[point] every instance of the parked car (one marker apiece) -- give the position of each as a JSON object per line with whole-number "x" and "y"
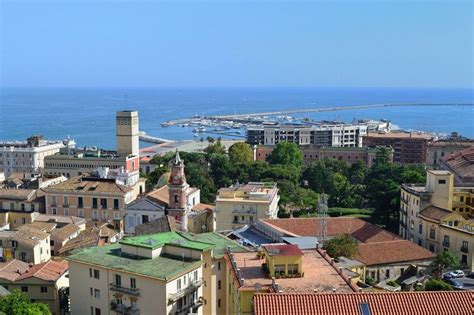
{"x": 457, "y": 274}
{"x": 454, "y": 283}
{"x": 470, "y": 275}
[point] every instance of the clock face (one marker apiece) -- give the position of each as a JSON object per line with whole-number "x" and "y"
{"x": 175, "y": 178}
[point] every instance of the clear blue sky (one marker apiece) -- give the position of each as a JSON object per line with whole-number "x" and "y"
{"x": 237, "y": 43}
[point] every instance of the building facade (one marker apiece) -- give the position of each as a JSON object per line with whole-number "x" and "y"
{"x": 439, "y": 149}
{"x": 127, "y": 133}
{"x": 20, "y": 206}
{"x": 26, "y": 244}
{"x": 28, "y": 156}
{"x": 239, "y": 205}
{"x": 408, "y": 147}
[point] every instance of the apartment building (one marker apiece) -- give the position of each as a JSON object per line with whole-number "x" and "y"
{"x": 280, "y": 268}
{"x": 98, "y": 200}
{"x": 439, "y": 215}
{"x": 28, "y": 156}
{"x": 239, "y": 205}
{"x": 408, "y": 147}
{"x": 311, "y": 154}
{"x": 20, "y": 206}
{"x": 443, "y": 148}
{"x": 461, "y": 164}
{"x": 166, "y": 273}
{"x": 45, "y": 283}
{"x": 26, "y": 244}
{"x": 323, "y": 135}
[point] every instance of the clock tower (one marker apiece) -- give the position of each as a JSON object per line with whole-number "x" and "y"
{"x": 177, "y": 186}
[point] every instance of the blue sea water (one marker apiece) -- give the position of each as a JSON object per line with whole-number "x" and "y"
{"x": 88, "y": 114}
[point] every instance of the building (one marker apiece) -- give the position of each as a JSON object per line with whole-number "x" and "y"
{"x": 140, "y": 211}
{"x": 461, "y": 164}
{"x": 312, "y": 153}
{"x": 127, "y": 133}
{"x": 382, "y": 253}
{"x": 441, "y": 148}
{"x": 439, "y": 215}
{"x": 280, "y": 268}
{"x": 370, "y": 303}
{"x": 74, "y": 162}
{"x": 408, "y": 147}
{"x": 183, "y": 202}
{"x": 26, "y": 244}
{"x": 28, "y": 156}
{"x": 20, "y": 206}
{"x": 98, "y": 200}
{"x": 32, "y": 181}
{"x": 91, "y": 237}
{"x": 45, "y": 283}
{"x": 329, "y": 134}
{"x": 239, "y": 205}
{"x": 166, "y": 273}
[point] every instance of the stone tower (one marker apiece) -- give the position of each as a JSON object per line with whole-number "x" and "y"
{"x": 127, "y": 133}
{"x": 177, "y": 185}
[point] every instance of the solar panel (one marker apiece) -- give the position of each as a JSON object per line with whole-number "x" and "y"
{"x": 365, "y": 309}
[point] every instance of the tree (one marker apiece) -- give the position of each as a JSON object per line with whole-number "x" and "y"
{"x": 437, "y": 285}
{"x": 286, "y": 153}
{"x": 18, "y": 303}
{"x": 216, "y": 147}
{"x": 443, "y": 260}
{"x": 240, "y": 152}
{"x": 341, "y": 245}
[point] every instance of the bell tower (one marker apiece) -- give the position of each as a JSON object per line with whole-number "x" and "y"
{"x": 177, "y": 185}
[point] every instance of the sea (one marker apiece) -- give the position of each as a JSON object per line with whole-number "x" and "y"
{"x": 87, "y": 115}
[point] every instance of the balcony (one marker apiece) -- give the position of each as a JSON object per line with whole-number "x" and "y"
{"x": 464, "y": 249}
{"x": 193, "y": 308}
{"x": 123, "y": 309}
{"x": 244, "y": 211}
{"x": 446, "y": 244}
{"x": 130, "y": 291}
{"x": 173, "y": 297}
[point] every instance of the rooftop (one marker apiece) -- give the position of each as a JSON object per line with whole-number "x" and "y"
{"x": 254, "y": 191}
{"x": 399, "y": 303}
{"x": 400, "y": 134}
{"x": 282, "y": 250}
{"x": 65, "y": 232}
{"x": 144, "y": 204}
{"x": 17, "y": 194}
{"x": 89, "y": 185}
{"x": 16, "y": 270}
{"x": 153, "y": 241}
{"x": 435, "y": 213}
{"x": 319, "y": 275}
{"x": 461, "y": 163}
{"x": 60, "y": 219}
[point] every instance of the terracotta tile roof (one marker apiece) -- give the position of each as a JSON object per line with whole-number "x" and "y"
{"x": 283, "y": 250}
{"x": 400, "y": 303}
{"x": 64, "y": 232}
{"x": 380, "y": 253}
{"x": 159, "y": 225}
{"x": 17, "y": 194}
{"x": 160, "y": 195}
{"x": 461, "y": 163}
{"x": 9, "y": 270}
{"x": 434, "y": 213}
{"x": 89, "y": 186}
{"x": 203, "y": 207}
{"x": 60, "y": 219}
{"x": 357, "y": 228}
{"x": 43, "y": 226}
{"x": 49, "y": 271}
{"x": 29, "y": 236}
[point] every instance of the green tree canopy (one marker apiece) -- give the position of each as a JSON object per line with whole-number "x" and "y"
{"x": 443, "y": 260}
{"x": 240, "y": 152}
{"x": 341, "y": 245}
{"x": 216, "y": 147}
{"x": 286, "y": 153}
{"x": 437, "y": 285}
{"x": 18, "y": 303}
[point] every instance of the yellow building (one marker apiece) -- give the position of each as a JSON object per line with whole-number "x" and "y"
{"x": 438, "y": 215}
{"x": 280, "y": 268}
{"x": 239, "y": 205}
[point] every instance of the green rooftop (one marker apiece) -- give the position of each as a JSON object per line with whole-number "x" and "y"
{"x": 154, "y": 241}
{"x": 220, "y": 242}
{"x": 110, "y": 256}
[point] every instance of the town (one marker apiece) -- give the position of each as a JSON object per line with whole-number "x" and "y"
{"x": 327, "y": 218}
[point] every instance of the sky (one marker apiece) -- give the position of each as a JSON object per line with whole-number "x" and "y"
{"x": 427, "y": 44}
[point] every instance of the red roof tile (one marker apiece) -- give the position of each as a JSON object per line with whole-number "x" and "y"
{"x": 357, "y": 228}
{"x": 400, "y": 303}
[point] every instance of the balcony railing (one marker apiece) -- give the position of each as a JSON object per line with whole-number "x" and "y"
{"x": 119, "y": 288}
{"x": 446, "y": 244}
{"x": 193, "y": 308}
{"x": 123, "y": 309}
{"x": 464, "y": 249}
{"x": 190, "y": 288}
{"x": 244, "y": 211}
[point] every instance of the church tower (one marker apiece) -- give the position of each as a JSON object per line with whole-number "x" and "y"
{"x": 178, "y": 188}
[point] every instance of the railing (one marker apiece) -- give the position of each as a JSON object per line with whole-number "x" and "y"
{"x": 119, "y": 288}
{"x": 464, "y": 249}
{"x": 123, "y": 309}
{"x": 244, "y": 211}
{"x": 180, "y": 293}
{"x": 446, "y": 244}
{"x": 193, "y": 307}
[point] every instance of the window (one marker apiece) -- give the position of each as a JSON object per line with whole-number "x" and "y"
{"x": 118, "y": 280}
{"x": 446, "y": 241}
{"x": 441, "y": 181}
{"x": 464, "y": 247}
{"x": 23, "y": 256}
{"x": 432, "y": 233}
{"x": 80, "y": 213}
{"x": 96, "y": 274}
{"x": 103, "y": 203}
{"x": 178, "y": 284}
{"x": 90, "y": 273}
{"x": 53, "y": 200}
{"x": 365, "y": 309}
{"x": 195, "y": 275}
{"x": 66, "y": 201}
{"x": 387, "y": 273}
{"x": 97, "y": 293}
{"x": 219, "y": 284}
{"x": 94, "y": 203}
{"x": 279, "y": 269}
{"x": 44, "y": 289}
{"x": 32, "y": 206}
{"x": 91, "y": 291}
{"x": 54, "y": 211}
{"x": 80, "y": 202}
{"x": 116, "y": 204}
{"x": 236, "y": 218}
{"x": 133, "y": 283}
{"x": 66, "y": 211}
{"x": 97, "y": 311}
{"x": 95, "y": 215}
{"x": 219, "y": 303}
{"x": 461, "y": 198}
{"x": 420, "y": 228}
{"x": 144, "y": 218}
{"x": 219, "y": 265}
{"x": 22, "y": 207}
{"x": 24, "y": 288}
{"x": 292, "y": 269}
{"x": 463, "y": 259}
{"x": 431, "y": 248}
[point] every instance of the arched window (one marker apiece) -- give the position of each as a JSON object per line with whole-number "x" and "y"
{"x": 176, "y": 199}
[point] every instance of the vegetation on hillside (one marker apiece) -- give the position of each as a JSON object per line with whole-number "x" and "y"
{"x": 18, "y": 303}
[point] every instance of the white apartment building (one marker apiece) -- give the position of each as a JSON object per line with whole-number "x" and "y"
{"x": 26, "y": 156}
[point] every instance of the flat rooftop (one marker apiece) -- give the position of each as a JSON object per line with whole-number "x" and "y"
{"x": 400, "y": 134}
{"x": 319, "y": 275}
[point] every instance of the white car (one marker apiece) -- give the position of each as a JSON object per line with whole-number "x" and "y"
{"x": 457, "y": 274}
